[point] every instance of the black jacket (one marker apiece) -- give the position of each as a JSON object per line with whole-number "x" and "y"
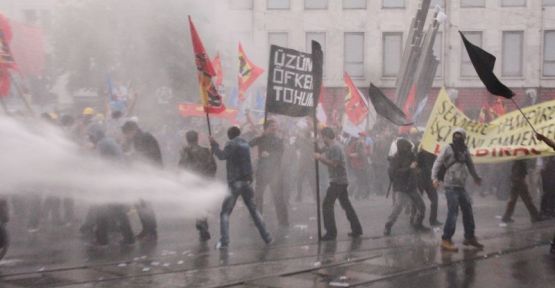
{"x": 401, "y": 175}
{"x": 147, "y": 147}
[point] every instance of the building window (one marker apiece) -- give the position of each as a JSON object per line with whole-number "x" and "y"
{"x": 467, "y": 70}
{"x": 354, "y": 4}
{"x": 240, "y": 4}
{"x": 473, "y": 3}
{"x": 391, "y": 54}
{"x": 548, "y": 2}
{"x": 512, "y": 53}
{"x": 315, "y": 4}
{"x": 513, "y": 3}
{"x": 549, "y": 53}
{"x": 353, "y": 54}
{"x": 319, "y": 37}
{"x": 437, "y": 50}
{"x": 393, "y": 3}
{"x": 278, "y": 38}
{"x": 278, "y": 4}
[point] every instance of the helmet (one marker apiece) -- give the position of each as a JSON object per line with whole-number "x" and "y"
{"x": 88, "y": 111}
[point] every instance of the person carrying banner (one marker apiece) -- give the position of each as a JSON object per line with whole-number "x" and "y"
{"x": 236, "y": 153}
{"x": 402, "y": 172}
{"x": 334, "y": 159}
{"x": 146, "y": 149}
{"x": 455, "y": 163}
{"x": 519, "y": 187}
{"x": 199, "y": 160}
{"x": 268, "y": 170}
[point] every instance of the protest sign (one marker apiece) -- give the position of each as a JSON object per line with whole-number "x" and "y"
{"x": 506, "y": 138}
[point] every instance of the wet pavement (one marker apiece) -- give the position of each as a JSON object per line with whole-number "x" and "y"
{"x": 514, "y": 256}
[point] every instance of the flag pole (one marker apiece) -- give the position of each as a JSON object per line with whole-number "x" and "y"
{"x": 317, "y": 60}
{"x": 22, "y": 95}
{"x": 524, "y": 115}
{"x": 4, "y": 106}
{"x": 317, "y": 174}
{"x": 208, "y": 122}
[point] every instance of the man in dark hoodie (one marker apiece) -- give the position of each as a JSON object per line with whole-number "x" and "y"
{"x": 199, "y": 160}
{"x": 402, "y": 172}
{"x": 236, "y": 153}
{"x": 519, "y": 187}
{"x": 108, "y": 149}
{"x": 456, "y": 163}
{"x": 146, "y": 149}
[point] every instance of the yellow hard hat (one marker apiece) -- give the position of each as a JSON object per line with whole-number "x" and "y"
{"x": 88, "y": 111}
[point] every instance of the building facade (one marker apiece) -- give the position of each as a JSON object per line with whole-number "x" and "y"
{"x": 366, "y": 38}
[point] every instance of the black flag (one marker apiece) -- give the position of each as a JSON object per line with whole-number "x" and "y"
{"x": 484, "y": 62}
{"x": 291, "y": 81}
{"x": 386, "y": 108}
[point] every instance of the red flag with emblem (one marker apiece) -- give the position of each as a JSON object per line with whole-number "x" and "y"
{"x": 196, "y": 110}
{"x": 217, "y": 64}
{"x": 355, "y": 106}
{"x": 6, "y": 59}
{"x": 248, "y": 73}
{"x": 211, "y": 99}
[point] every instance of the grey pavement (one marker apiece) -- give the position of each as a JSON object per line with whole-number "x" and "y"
{"x": 514, "y": 256}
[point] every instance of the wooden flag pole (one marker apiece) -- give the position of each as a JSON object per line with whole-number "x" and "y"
{"x": 524, "y": 115}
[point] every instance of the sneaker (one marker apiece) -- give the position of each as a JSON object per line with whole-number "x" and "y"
{"x": 473, "y": 242}
{"x": 387, "y": 230}
{"x": 328, "y": 237}
{"x": 507, "y": 220}
{"x": 447, "y": 245}
{"x": 355, "y": 235}
{"x": 220, "y": 245}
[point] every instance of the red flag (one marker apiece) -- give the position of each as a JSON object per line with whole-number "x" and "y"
{"x": 407, "y": 109}
{"x": 211, "y": 99}
{"x": 409, "y": 103}
{"x": 498, "y": 108}
{"x": 248, "y": 73}
{"x": 355, "y": 106}
{"x": 217, "y": 64}
{"x": 28, "y": 48}
{"x": 6, "y": 58}
{"x": 196, "y": 110}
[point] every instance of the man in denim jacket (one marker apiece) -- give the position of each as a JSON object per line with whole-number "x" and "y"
{"x": 239, "y": 177}
{"x": 458, "y": 162}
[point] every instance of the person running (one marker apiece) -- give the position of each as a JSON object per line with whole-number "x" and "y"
{"x": 402, "y": 172}
{"x": 334, "y": 159}
{"x": 456, "y": 163}
{"x": 199, "y": 160}
{"x": 236, "y": 153}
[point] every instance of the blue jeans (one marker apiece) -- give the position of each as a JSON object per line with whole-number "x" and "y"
{"x": 243, "y": 189}
{"x": 457, "y": 197}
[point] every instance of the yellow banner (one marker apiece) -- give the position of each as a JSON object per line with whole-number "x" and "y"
{"x": 508, "y": 137}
